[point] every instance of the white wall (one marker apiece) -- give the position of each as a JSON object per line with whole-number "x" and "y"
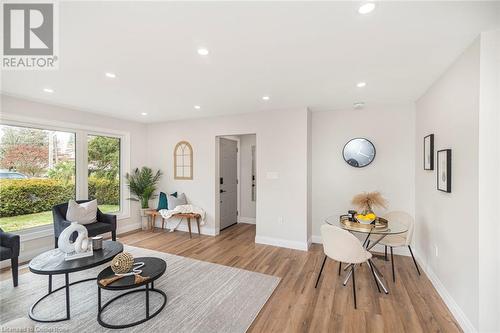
{"x": 247, "y": 206}
{"x": 33, "y": 111}
{"x": 391, "y": 129}
{"x": 281, "y": 210}
{"x": 449, "y": 221}
{"x": 489, "y": 181}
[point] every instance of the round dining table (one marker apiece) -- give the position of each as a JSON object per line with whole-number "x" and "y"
{"x": 373, "y": 236}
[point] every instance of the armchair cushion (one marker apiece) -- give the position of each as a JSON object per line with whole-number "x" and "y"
{"x": 105, "y": 222}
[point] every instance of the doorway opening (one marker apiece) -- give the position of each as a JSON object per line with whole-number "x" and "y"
{"x": 236, "y": 181}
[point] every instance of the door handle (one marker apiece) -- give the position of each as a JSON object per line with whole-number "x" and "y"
{"x": 222, "y": 191}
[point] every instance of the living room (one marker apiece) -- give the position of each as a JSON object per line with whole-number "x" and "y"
{"x": 355, "y": 108}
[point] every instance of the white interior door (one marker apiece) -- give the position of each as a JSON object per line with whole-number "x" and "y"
{"x": 228, "y": 165}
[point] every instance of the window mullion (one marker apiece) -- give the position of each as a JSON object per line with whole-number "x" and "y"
{"x": 82, "y": 191}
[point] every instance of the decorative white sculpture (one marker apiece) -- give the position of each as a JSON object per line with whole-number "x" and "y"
{"x": 80, "y": 245}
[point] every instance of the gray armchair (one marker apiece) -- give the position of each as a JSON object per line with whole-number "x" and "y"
{"x": 105, "y": 222}
{"x": 9, "y": 249}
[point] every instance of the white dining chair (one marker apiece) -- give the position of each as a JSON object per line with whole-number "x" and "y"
{"x": 344, "y": 247}
{"x": 399, "y": 240}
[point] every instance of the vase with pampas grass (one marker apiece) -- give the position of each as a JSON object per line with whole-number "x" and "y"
{"x": 365, "y": 202}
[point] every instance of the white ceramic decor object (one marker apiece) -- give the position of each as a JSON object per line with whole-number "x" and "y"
{"x": 81, "y": 243}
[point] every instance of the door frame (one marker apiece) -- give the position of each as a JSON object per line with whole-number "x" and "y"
{"x": 217, "y": 178}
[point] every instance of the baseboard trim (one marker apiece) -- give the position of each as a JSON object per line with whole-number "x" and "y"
{"x": 248, "y": 220}
{"x": 450, "y": 302}
{"x": 281, "y": 243}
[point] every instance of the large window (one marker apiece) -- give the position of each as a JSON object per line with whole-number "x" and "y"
{"x": 37, "y": 172}
{"x": 104, "y": 172}
{"x": 43, "y": 167}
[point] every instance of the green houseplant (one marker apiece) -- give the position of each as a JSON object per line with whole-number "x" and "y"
{"x": 142, "y": 184}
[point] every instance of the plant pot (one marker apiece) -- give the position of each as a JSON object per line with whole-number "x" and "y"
{"x": 143, "y": 211}
{"x": 144, "y": 219}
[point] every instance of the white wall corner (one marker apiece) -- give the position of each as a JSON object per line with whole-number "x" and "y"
{"x": 303, "y": 246}
{"x": 452, "y": 305}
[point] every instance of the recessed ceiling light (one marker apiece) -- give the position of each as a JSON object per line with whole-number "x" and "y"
{"x": 48, "y": 90}
{"x": 110, "y": 75}
{"x": 361, "y": 84}
{"x": 197, "y": 107}
{"x": 366, "y": 8}
{"x": 144, "y": 113}
{"x": 266, "y": 98}
{"x": 359, "y": 105}
{"x": 202, "y": 51}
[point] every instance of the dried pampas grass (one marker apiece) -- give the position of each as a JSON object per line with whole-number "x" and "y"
{"x": 369, "y": 200}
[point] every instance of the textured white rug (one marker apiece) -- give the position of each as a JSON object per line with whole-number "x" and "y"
{"x": 202, "y": 297}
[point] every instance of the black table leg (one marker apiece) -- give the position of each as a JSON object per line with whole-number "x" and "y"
{"x": 66, "y": 278}
{"x": 51, "y": 291}
{"x": 98, "y": 299}
{"x": 147, "y": 301}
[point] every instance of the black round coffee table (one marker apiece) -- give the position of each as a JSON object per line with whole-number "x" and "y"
{"x": 52, "y": 263}
{"x": 153, "y": 268}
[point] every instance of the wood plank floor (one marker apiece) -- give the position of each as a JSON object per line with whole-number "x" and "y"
{"x": 413, "y": 305}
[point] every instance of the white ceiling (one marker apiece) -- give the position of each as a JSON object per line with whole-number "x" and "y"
{"x": 299, "y": 53}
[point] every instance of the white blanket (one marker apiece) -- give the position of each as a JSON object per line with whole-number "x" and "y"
{"x": 182, "y": 209}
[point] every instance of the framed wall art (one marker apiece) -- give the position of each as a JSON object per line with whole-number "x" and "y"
{"x": 429, "y": 152}
{"x": 444, "y": 170}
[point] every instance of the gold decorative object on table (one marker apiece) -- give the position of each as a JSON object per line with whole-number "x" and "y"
{"x": 380, "y": 224}
{"x": 365, "y": 202}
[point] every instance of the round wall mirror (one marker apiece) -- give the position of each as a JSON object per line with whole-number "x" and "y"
{"x": 359, "y": 152}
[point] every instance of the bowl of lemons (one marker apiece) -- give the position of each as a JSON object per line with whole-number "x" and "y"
{"x": 367, "y": 218}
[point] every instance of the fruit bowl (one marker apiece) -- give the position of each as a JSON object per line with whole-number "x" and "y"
{"x": 365, "y": 218}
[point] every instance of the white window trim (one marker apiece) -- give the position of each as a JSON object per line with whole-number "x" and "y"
{"x": 81, "y": 162}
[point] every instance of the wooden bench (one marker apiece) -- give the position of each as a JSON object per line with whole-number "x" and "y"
{"x": 188, "y": 217}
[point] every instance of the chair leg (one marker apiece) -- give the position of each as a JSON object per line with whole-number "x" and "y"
{"x": 414, "y": 261}
{"x": 385, "y": 256}
{"x": 14, "y": 267}
{"x": 340, "y": 267}
{"x": 320, "y": 271}
{"x": 113, "y": 235}
{"x": 373, "y": 274}
{"x": 354, "y": 287}
{"x": 392, "y": 263}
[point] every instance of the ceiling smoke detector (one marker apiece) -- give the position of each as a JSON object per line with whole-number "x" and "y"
{"x": 358, "y": 105}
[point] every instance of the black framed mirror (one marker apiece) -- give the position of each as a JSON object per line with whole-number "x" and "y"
{"x": 359, "y": 152}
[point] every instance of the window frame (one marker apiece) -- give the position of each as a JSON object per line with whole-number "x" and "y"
{"x": 81, "y": 162}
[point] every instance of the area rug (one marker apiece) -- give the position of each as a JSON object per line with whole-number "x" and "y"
{"x": 202, "y": 297}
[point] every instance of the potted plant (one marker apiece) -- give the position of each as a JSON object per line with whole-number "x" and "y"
{"x": 142, "y": 184}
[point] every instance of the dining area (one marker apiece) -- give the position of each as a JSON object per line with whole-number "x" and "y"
{"x": 353, "y": 239}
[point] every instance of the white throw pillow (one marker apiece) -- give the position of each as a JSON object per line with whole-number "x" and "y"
{"x": 174, "y": 202}
{"x": 84, "y": 213}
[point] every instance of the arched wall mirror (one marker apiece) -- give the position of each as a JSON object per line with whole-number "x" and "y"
{"x": 183, "y": 161}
